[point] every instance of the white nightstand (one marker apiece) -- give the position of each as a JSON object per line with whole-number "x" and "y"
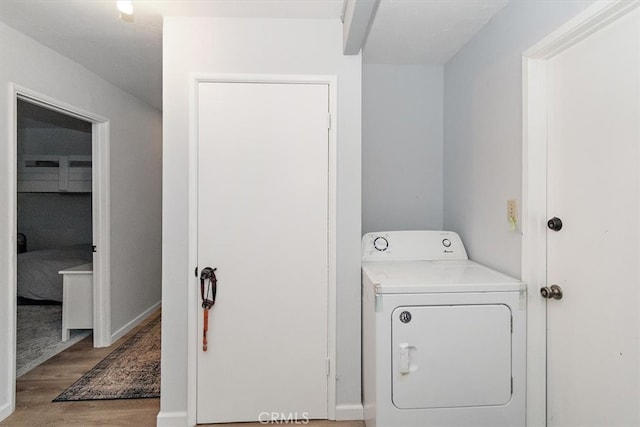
{"x": 77, "y": 298}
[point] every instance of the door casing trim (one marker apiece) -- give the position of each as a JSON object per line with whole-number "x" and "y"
{"x": 101, "y": 219}
{"x": 101, "y": 200}
{"x": 534, "y": 184}
{"x": 192, "y": 312}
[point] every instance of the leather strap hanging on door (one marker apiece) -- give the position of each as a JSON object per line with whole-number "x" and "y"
{"x": 208, "y": 289}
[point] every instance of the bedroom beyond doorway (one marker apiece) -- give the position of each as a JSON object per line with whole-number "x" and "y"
{"x": 54, "y": 226}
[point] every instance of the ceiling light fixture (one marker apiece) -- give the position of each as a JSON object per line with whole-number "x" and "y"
{"x": 126, "y": 10}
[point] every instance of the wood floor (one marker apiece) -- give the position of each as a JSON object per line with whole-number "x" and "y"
{"x": 36, "y": 389}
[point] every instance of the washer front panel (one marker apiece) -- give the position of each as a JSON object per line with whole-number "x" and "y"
{"x": 451, "y": 356}
{"x": 388, "y": 401}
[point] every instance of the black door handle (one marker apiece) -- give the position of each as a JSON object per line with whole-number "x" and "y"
{"x": 208, "y": 290}
{"x": 555, "y": 224}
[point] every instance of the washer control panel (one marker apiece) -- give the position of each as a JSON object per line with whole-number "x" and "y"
{"x": 412, "y": 245}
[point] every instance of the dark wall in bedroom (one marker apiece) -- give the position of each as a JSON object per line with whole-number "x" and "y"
{"x": 51, "y": 220}
{"x": 43, "y": 131}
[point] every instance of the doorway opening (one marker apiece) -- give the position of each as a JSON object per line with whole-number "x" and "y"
{"x": 99, "y": 208}
{"x": 54, "y": 232}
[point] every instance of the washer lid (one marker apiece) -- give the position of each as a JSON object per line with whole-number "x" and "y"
{"x": 400, "y": 277}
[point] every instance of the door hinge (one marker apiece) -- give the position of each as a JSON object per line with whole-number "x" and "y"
{"x": 328, "y": 367}
{"x": 94, "y": 248}
{"x": 329, "y": 121}
{"x": 196, "y": 271}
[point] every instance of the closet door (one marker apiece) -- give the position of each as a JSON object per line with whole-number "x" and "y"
{"x": 262, "y": 223}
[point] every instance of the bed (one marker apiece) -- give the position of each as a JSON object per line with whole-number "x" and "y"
{"x": 38, "y": 277}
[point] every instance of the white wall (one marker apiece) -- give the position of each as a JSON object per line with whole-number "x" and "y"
{"x": 483, "y": 128}
{"x": 402, "y": 136}
{"x": 135, "y": 131}
{"x": 255, "y": 46}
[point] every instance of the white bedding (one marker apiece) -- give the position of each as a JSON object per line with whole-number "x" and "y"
{"x": 38, "y": 277}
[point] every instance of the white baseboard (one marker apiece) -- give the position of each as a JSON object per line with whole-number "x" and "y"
{"x": 353, "y": 412}
{"x": 6, "y": 410}
{"x": 179, "y": 419}
{"x": 135, "y": 322}
{"x": 171, "y": 419}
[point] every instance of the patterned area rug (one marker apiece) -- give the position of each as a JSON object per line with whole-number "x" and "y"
{"x": 39, "y": 336}
{"x": 132, "y": 371}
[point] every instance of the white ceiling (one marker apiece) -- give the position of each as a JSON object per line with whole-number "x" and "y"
{"x": 425, "y": 31}
{"x": 129, "y": 55}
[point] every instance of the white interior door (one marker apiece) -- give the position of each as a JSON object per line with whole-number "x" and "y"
{"x": 593, "y": 360}
{"x": 263, "y": 223}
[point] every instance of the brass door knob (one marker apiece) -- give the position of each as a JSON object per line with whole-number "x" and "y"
{"x": 551, "y": 292}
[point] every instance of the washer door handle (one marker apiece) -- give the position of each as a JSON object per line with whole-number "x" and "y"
{"x": 404, "y": 358}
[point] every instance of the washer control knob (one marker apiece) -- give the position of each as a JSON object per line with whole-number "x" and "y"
{"x": 381, "y": 244}
{"x": 446, "y": 243}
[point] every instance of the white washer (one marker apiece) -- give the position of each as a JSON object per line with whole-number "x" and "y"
{"x": 443, "y": 337}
